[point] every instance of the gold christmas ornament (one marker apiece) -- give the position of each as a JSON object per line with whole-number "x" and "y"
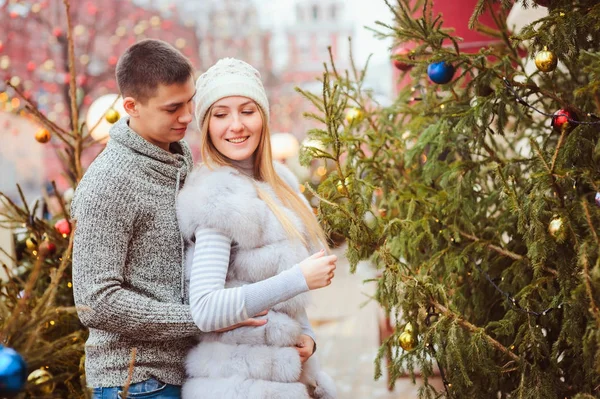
{"x": 340, "y": 186}
{"x": 354, "y": 115}
{"x": 407, "y": 341}
{"x": 546, "y": 60}
{"x": 112, "y": 115}
{"x": 43, "y": 136}
{"x": 41, "y": 379}
{"x": 409, "y": 328}
{"x": 31, "y": 243}
{"x": 556, "y": 227}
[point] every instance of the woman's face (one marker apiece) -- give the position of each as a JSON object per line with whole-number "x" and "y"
{"x": 235, "y": 126}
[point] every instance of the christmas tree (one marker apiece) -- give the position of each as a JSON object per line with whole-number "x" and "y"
{"x": 476, "y": 194}
{"x": 39, "y": 320}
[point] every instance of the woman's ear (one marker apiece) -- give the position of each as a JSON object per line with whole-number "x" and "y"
{"x": 131, "y": 107}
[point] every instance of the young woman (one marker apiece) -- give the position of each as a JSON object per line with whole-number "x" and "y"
{"x": 253, "y": 233}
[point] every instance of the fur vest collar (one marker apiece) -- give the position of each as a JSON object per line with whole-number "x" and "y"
{"x": 226, "y": 200}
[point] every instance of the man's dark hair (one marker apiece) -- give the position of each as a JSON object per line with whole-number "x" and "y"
{"x": 149, "y": 63}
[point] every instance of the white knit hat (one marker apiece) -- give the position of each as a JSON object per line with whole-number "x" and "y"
{"x": 229, "y": 77}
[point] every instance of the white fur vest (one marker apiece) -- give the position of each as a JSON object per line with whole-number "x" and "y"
{"x": 249, "y": 362}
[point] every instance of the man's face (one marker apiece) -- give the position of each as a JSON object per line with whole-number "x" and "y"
{"x": 164, "y": 118}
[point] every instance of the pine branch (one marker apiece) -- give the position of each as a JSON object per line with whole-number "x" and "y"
{"x": 77, "y": 147}
{"x": 332, "y": 204}
{"x": 588, "y": 286}
{"x": 9, "y": 327}
{"x": 50, "y": 293}
{"x": 9, "y": 256}
{"x": 492, "y": 153}
{"x": 493, "y": 247}
{"x": 588, "y": 218}
{"x": 335, "y": 72}
{"x": 41, "y": 118}
{"x": 549, "y": 169}
{"x": 561, "y": 141}
{"x": 586, "y": 267}
{"x": 477, "y": 330}
{"x": 61, "y": 201}
{"x": 16, "y": 209}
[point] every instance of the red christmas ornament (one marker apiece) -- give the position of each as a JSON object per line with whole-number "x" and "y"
{"x": 560, "y": 120}
{"x": 67, "y": 78}
{"x": 56, "y": 32}
{"x": 401, "y": 65}
{"x": 112, "y": 60}
{"x": 81, "y": 80}
{"x": 31, "y": 66}
{"x": 13, "y": 14}
{"x": 47, "y": 248}
{"x": 63, "y": 227}
{"x": 1, "y": 46}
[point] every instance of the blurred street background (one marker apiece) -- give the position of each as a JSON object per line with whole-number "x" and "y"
{"x": 286, "y": 40}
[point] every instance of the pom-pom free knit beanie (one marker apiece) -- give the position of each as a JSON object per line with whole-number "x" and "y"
{"x": 229, "y": 77}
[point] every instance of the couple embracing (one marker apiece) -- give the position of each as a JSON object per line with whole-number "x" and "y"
{"x": 203, "y": 270}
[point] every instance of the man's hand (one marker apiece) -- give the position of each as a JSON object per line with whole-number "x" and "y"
{"x": 305, "y": 347}
{"x": 252, "y": 322}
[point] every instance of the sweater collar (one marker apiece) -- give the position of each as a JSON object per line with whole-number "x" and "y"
{"x": 245, "y": 166}
{"x": 170, "y": 164}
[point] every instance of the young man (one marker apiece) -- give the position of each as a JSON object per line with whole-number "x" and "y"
{"x": 128, "y": 253}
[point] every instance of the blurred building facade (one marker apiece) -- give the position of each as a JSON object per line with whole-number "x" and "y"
{"x": 33, "y": 54}
{"x": 318, "y": 25}
{"x": 34, "y": 57}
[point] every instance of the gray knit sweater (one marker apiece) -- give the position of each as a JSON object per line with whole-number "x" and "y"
{"x": 127, "y": 261}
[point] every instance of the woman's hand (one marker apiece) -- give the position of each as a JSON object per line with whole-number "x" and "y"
{"x": 252, "y": 322}
{"x": 318, "y": 269}
{"x": 305, "y": 347}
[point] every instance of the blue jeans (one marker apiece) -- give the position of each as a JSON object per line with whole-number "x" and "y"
{"x": 151, "y": 388}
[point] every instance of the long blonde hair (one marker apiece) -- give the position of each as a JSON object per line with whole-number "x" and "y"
{"x": 265, "y": 172}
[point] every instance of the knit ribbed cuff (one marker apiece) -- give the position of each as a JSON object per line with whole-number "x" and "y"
{"x": 268, "y": 293}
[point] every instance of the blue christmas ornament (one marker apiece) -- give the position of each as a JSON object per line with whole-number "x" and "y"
{"x": 440, "y": 72}
{"x": 13, "y": 372}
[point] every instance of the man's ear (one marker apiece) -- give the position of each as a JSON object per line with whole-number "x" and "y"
{"x": 131, "y": 107}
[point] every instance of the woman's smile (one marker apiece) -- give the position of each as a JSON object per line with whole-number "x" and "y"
{"x": 238, "y": 140}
